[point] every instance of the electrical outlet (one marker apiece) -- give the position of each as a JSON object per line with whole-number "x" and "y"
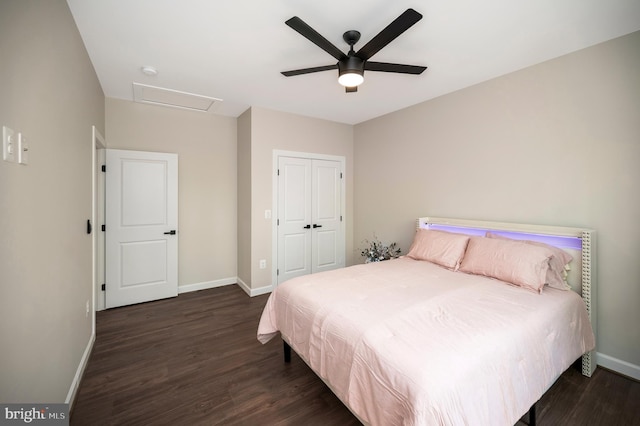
{"x": 8, "y": 145}
{"x": 263, "y": 264}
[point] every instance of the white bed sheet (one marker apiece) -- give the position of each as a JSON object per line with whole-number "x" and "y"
{"x": 406, "y": 342}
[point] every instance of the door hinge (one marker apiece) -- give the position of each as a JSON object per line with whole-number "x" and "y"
{"x": 340, "y": 218}
{"x": 277, "y": 271}
{"x": 277, "y": 222}
{"x": 104, "y": 228}
{"x": 278, "y": 172}
{"x": 103, "y": 287}
{"x": 104, "y": 168}
{"x": 340, "y": 175}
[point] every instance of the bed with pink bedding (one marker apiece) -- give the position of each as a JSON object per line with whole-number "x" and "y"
{"x": 412, "y": 342}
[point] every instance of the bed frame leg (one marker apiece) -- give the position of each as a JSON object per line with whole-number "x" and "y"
{"x": 532, "y": 415}
{"x": 287, "y": 352}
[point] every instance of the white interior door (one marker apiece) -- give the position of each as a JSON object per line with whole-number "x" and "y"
{"x": 141, "y": 216}
{"x": 309, "y": 216}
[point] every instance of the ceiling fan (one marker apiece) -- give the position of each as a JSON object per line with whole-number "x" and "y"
{"x": 351, "y": 66}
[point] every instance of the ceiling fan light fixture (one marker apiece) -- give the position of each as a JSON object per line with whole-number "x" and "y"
{"x": 351, "y": 72}
{"x": 350, "y": 79}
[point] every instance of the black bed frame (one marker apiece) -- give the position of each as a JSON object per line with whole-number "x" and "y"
{"x": 287, "y": 352}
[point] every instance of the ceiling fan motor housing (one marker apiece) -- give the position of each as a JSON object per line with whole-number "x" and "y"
{"x": 351, "y": 72}
{"x": 352, "y": 64}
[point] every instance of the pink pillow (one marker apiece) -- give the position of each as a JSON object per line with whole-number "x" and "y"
{"x": 440, "y": 247}
{"x": 524, "y": 265}
{"x": 556, "y": 275}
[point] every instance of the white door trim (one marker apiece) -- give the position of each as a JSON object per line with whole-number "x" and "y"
{"x": 97, "y": 143}
{"x": 100, "y": 271}
{"x": 274, "y": 202}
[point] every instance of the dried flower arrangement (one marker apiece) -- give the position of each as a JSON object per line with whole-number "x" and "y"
{"x": 377, "y": 251}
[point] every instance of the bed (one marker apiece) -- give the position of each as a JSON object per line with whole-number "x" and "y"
{"x": 443, "y": 336}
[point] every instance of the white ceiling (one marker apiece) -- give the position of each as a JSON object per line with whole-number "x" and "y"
{"x": 236, "y": 49}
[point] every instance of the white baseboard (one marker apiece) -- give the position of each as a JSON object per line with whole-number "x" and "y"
{"x": 261, "y": 290}
{"x": 188, "y": 288}
{"x": 244, "y": 286}
{"x": 75, "y": 383}
{"x": 225, "y": 281}
{"x": 619, "y": 366}
{"x": 206, "y": 285}
{"x": 254, "y": 291}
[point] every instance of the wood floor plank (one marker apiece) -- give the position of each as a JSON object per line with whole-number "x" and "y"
{"x": 195, "y": 360}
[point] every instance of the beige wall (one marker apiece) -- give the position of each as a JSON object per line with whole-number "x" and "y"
{"x": 50, "y": 93}
{"x": 273, "y": 130}
{"x": 207, "y": 171}
{"x": 557, "y": 143}
{"x": 244, "y": 198}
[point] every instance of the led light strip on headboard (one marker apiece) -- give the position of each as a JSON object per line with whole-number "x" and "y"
{"x": 580, "y": 239}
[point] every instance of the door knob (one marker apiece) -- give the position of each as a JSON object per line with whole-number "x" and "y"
{"x": 317, "y": 226}
{"x": 172, "y": 232}
{"x": 307, "y": 227}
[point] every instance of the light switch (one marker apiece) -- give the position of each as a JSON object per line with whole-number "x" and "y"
{"x": 267, "y": 214}
{"x": 23, "y": 149}
{"x": 8, "y": 144}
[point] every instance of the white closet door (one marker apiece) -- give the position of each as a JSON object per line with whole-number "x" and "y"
{"x": 294, "y": 217}
{"x": 326, "y": 250}
{"x": 309, "y": 223}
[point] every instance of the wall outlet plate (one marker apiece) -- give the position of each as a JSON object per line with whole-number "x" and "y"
{"x": 9, "y": 144}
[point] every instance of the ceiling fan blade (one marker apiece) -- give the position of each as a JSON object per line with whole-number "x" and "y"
{"x": 399, "y": 68}
{"x": 313, "y": 36}
{"x": 351, "y": 89}
{"x": 401, "y": 24}
{"x": 309, "y": 70}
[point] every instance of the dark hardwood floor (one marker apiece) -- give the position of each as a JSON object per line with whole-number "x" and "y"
{"x": 195, "y": 360}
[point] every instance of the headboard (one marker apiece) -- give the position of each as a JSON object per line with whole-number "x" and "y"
{"x": 579, "y": 242}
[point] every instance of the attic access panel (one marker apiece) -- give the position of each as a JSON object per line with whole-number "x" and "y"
{"x": 172, "y": 98}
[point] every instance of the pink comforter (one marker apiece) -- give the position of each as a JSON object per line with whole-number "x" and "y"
{"x": 406, "y": 342}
